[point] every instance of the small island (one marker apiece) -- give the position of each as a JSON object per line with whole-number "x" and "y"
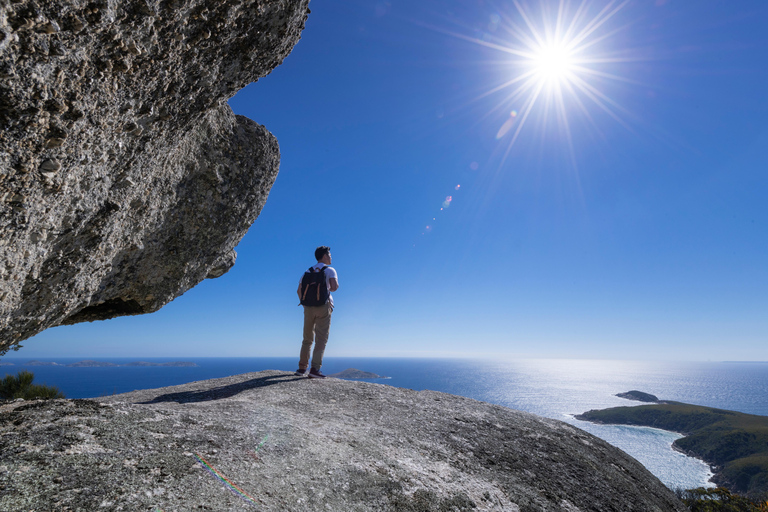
{"x": 735, "y": 444}
{"x": 90, "y": 363}
{"x": 172, "y": 363}
{"x": 638, "y": 396}
{"x": 354, "y": 373}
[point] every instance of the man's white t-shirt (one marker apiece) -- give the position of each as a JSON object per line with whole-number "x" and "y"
{"x": 330, "y": 272}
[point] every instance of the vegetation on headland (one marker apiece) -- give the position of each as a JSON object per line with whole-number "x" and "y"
{"x": 21, "y": 386}
{"x": 719, "y": 500}
{"x": 734, "y": 443}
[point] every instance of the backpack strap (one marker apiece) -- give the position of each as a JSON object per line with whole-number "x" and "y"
{"x": 306, "y": 288}
{"x": 322, "y": 274}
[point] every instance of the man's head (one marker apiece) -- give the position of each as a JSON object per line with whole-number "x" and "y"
{"x": 323, "y": 253}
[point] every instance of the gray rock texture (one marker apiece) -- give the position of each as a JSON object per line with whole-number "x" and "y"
{"x": 125, "y": 178}
{"x": 354, "y": 373}
{"x": 296, "y": 444}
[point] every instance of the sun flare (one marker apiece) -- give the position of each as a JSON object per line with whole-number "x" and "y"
{"x": 553, "y": 62}
{"x": 561, "y": 57}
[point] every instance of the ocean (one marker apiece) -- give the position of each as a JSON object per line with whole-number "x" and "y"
{"x": 552, "y": 388}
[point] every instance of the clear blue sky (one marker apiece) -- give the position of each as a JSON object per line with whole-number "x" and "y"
{"x": 639, "y": 233}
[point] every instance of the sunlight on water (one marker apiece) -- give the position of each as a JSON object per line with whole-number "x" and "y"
{"x": 560, "y": 389}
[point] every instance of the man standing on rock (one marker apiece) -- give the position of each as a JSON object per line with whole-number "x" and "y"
{"x": 314, "y": 291}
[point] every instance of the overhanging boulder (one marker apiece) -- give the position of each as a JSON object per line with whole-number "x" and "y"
{"x": 125, "y": 178}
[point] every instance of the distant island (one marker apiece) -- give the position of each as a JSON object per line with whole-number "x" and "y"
{"x": 735, "y": 444}
{"x": 172, "y": 363}
{"x": 90, "y": 363}
{"x": 638, "y": 396}
{"x": 354, "y": 373}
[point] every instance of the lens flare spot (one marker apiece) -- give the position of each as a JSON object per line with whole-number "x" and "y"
{"x": 505, "y": 128}
{"x": 382, "y": 8}
{"x": 457, "y": 187}
{"x": 474, "y": 166}
{"x": 234, "y": 488}
{"x": 494, "y": 22}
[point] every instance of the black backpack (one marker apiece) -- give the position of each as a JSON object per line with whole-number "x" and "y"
{"x": 314, "y": 291}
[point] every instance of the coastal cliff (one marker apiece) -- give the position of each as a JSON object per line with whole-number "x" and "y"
{"x": 125, "y": 178}
{"x": 272, "y": 441}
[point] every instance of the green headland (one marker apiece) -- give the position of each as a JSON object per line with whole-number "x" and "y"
{"x": 733, "y": 443}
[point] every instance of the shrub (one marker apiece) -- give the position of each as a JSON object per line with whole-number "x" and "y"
{"x": 20, "y": 386}
{"x": 718, "y": 500}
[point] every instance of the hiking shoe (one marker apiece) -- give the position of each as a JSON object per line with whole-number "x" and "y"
{"x": 315, "y": 374}
{"x": 301, "y": 373}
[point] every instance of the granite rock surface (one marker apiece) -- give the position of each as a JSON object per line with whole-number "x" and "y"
{"x": 295, "y": 444}
{"x": 125, "y": 178}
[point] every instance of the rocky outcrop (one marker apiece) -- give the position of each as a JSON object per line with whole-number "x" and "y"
{"x": 275, "y": 442}
{"x": 125, "y": 178}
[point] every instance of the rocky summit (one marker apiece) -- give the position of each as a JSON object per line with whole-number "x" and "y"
{"x": 275, "y": 442}
{"x": 125, "y": 178}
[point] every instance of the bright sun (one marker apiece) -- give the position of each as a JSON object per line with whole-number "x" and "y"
{"x": 553, "y": 63}
{"x": 561, "y": 56}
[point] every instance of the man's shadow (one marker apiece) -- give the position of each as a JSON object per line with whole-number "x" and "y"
{"x": 221, "y": 392}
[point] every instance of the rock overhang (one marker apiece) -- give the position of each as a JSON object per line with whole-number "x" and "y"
{"x": 125, "y": 178}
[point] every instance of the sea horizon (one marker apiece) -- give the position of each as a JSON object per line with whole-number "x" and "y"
{"x": 12, "y": 355}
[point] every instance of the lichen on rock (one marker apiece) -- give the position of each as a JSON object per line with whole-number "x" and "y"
{"x": 125, "y": 178}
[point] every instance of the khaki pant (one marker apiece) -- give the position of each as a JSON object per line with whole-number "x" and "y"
{"x": 317, "y": 324}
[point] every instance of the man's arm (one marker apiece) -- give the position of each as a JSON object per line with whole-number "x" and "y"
{"x": 298, "y": 291}
{"x": 333, "y": 283}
